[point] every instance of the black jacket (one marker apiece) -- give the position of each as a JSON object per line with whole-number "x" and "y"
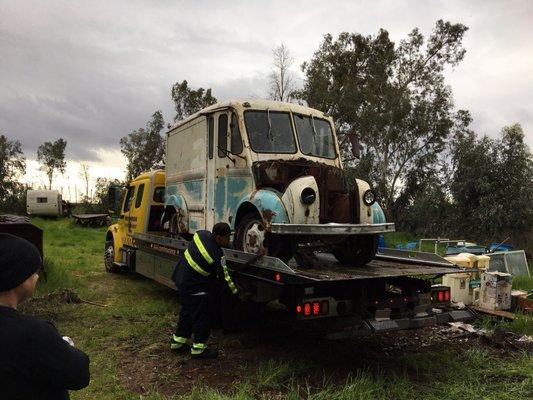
{"x": 189, "y": 280}
{"x": 35, "y": 362}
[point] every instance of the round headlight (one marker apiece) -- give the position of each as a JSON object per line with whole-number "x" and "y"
{"x": 369, "y": 197}
{"x": 308, "y": 196}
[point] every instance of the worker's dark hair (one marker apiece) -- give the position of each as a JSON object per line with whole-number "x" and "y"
{"x": 221, "y": 229}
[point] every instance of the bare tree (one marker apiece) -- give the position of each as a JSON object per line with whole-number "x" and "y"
{"x": 281, "y": 80}
{"x": 85, "y": 175}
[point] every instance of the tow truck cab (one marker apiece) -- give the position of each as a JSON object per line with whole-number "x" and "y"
{"x": 141, "y": 211}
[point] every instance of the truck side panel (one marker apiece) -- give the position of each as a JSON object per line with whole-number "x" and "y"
{"x": 186, "y": 169}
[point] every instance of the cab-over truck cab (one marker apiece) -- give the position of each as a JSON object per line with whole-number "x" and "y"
{"x": 273, "y": 171}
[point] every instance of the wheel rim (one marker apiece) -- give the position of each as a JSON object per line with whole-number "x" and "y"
{"x": 109, "y": 257}
{"x": 254, "y": 237}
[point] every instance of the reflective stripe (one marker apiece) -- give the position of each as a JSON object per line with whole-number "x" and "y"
{"x": 198, "y": 348}
{"x": 229, "y": 280}
{"x": 177, "y": 342}
{"x": 179, "y": 339}
{"x": 202, "y": 249}
{"x": 193, "y": 264}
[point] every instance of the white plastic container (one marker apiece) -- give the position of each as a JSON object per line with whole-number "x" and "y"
{"x": 459, "y": 287}
{"x": 495, "y": 291}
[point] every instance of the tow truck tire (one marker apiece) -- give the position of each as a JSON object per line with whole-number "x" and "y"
{"x": 109, "y": 256}
{"x": 357, "y": 251}
{"x": 281, "y": 247}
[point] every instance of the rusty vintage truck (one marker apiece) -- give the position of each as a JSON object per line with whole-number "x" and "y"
{"x": 273, "y": 171}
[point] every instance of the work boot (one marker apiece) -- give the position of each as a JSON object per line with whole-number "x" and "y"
{"x": 201, "y": 351}
{"x": 179, "y": 344}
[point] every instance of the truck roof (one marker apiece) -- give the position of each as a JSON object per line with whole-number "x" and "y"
{"x": 254, "y": 104}
{"x": 149, "y": 174}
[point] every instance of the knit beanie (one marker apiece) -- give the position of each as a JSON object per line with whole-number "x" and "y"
{"x": 19, "y": 259}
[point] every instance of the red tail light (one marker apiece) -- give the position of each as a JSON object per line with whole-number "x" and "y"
{"x": 447, "y": 295}
{"x": 298, "y": 308}
{"x": 277, "y": 277}
{"x": 307, "y": 309}
{"x": 441, "y": 296}
{"x": 316, "y": 308}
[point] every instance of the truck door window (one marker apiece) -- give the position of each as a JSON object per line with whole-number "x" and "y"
{"x": 129, "y": 197}
{"x": 236, "y": 140}
{"x": 210, "y": 134}
{"x": 159, "y": 194}
{"x": 139, "y": 198}
{"x": 222, "y": 135}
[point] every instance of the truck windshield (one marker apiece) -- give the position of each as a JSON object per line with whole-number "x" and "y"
{"x": 270, "y": 131}
{"x": 315, "y": 136}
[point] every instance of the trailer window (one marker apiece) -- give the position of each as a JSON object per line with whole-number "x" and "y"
{"x": 236, "y": 140}
{"x": 42, "y": 199}
{"x": 159, "y": 194}
{"x": 139, "y": 198}
{"x": 222, "y": 135}
{"x": 210, "y": 135}
{"x": 129, "y": 197}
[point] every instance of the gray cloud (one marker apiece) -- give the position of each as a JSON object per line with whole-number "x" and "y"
{"x": 92, "y": 72}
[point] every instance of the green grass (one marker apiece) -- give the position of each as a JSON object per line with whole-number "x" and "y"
{"x": 139, "y": 315}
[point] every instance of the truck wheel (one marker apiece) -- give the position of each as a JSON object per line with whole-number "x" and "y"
{"x": 250, "y": 237}
{"x": 357, "y": 251}
{"x": 109, "y": 256}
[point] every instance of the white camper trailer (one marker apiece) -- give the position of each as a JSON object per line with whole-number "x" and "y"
{"x": 45, "y": 203}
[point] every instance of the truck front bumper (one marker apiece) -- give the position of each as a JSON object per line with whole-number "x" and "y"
{"x": 331, "y": 229}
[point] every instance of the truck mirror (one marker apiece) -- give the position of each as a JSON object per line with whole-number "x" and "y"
{"x": 356, "y": 146}
{"x": 111, "y": 199}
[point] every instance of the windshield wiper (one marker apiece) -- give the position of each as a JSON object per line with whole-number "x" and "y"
{"x": 315, "y": 134}
{"x": 269, "y": 134}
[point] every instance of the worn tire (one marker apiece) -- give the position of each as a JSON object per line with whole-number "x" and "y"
{"x": 109, "y": 252}
{"x": 356, "y": 251}
{"x": 283, "y": 248}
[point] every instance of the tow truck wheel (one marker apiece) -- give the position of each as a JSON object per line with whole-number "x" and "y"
{"x": 357, "y": 251}
{"x": 250, "y": 236}
{"x": 109, "y": 256}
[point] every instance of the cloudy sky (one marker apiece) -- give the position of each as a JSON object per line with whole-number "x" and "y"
{"x": 90, "y": 72}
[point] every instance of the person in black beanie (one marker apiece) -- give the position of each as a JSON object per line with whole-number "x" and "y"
{"x": 35, "y": 361}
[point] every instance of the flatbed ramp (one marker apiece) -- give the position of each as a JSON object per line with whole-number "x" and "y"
{"x": 321, "y": 267}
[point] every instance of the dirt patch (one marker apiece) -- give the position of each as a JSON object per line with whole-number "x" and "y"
{"x": 143, "y": 368}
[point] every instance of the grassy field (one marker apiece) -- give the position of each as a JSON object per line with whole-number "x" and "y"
{"x": 126, "y": 332}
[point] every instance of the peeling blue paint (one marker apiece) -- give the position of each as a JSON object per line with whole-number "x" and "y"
{"x": 237, "y": 187}
{"x": 220, "y": 198}
{"x": 378, "y": 215}
{"x": 194, "y": 189}
{"x": 268, "y": 204}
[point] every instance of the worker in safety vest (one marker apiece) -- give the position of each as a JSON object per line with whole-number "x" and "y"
{"x": 202, "y": 262}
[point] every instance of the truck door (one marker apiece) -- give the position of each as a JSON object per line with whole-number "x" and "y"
{"x": 133, "y": 216}
{"x": 124, "y": 221}
{"x": 229, "y": 178}
{"x": 218, "y": 162}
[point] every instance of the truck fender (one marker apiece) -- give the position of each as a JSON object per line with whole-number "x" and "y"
{"x": 366, "y": 213}
{"x": 378, "y": 216}
{"x": 176, "y": 204}
{"x": 298, "y": 212}
{"x": 112, "y": 234}
{"x": 267, "y": 203}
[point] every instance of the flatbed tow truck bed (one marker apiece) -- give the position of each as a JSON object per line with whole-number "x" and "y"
{"x": 358, "y": 300}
